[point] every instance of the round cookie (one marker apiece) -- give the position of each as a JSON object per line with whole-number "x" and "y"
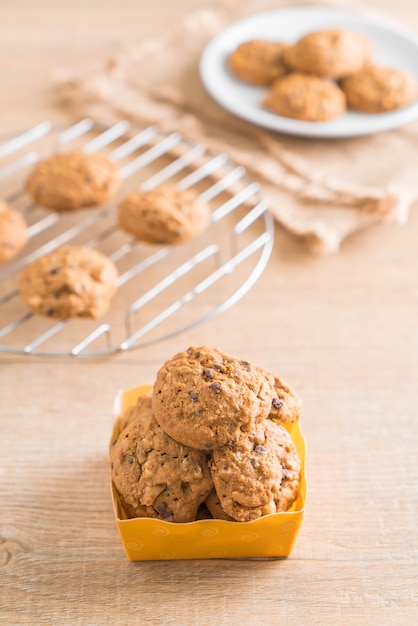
{"x": 204, "y": 398}
{"x": 286, "y": 406}
{"x": 379, "y": 89}
{"x": 69, "y": 282}
{"x": 66, "y": 182}
{"x": 215, "y": 509}
{"x": 156, "y": 476}
{"x": 164, "y": 215}
{"x": 258, "y": 474}
{"x": 258, "y": 61}
{"x": 13, "y": 234}
{"x": 334, "y": 53}
{"x": 306, "y": 98}
{"x": 143, "y": 406}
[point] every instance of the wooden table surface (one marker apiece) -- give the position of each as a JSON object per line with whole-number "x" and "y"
{"x": 343, "y": 330}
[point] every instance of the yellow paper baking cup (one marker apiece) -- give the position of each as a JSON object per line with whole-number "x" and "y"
{"x": 147, "y": 539}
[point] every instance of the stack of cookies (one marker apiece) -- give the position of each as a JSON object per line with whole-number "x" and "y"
{"x": 208, "y": 441}
{"x": 321, "y": 75}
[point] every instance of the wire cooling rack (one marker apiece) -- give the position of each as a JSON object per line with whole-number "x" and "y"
{"x": 162, "y": 290}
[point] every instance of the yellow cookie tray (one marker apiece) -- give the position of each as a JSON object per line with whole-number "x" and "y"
{"x": 149, "y": 539}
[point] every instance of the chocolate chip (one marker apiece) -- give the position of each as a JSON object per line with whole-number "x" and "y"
{"x": 215, "y": 387}
{"x": 260, "y": 448}
{"x": 131, "y": 460}
{"x": 164, "y": 511}
{"x": 276, "y": 404}
{"x": 197, "y": 355}
{"x": 246, "y": 365}
{"x": 208, "y": 372}
{"x": 114, "y": 441}
{"x": 194, "y": 396}
{"x": 54, "y": 270}
{"x": 50, "y": 312}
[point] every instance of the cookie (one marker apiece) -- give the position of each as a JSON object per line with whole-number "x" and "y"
{"x": 70, "y": 181}
{"x": 258, "y": 61}
{"x": 13, "y": 234}
{"x": 205, "y": 398}
{"x": 69, "y": 282}
{"x": 334, "y": 53}
{"x": 306, "y": 98}
{"x": 286, "y": 406}
{"x": 143, "y": 406}
{"x": 379, "y": 89}
{"x": 156, "y": 476}
{"x": 164, "y": 215}
{"x": 214, "y": 507}
{"x": 257, "y": 474}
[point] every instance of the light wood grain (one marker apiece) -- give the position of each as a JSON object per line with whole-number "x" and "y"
{"x": 343, "y": 330}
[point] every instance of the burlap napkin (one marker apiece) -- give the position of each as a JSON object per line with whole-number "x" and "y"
{"x": 320, "y": 190}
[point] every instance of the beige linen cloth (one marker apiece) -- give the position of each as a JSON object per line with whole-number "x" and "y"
{"x": 322, "y": 191}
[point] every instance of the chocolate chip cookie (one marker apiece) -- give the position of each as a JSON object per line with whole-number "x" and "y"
{"x": 214, "y": 507}
{"x": 143, "y": 407}
{"x": 379, "y": 89}
{"x": 257, "y": 474}
{"x": 334, "y": 53}
{"x": 13, "y": 233}
{"x": 205, "y": 398}
{"x": 258, "y": 61}
{"x": 164, "y": 215}
{"x": 156, "y": 476}
{"x": 69, "y": 282}
{"x": 307, "y": 98}
{"x": 286, "y": 406}
{"x": 66, "y": 182}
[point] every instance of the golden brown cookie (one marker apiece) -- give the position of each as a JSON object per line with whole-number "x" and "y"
{"x": 286, "y": 406}
{"x": 334, "y": 53}
{"x": 379, "y": 89}
{"x": 306, "y": 98}
{"x": 156, "y": 476}
{"x": 69, "y": 282}
{"x": 258, "y": 61}
{"x": 143, "y": 407}
{"x": 164, "y": 215}
{"x": 258, "y": 474}
{"x": 13, "y": 233}
{"x": 214, "y": 507}
{"x": 205, "y": 398}
{"x": 73, "y": 180}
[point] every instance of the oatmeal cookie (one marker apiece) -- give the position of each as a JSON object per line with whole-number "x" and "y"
{"x": 73, "y": 180}
{"x": 69, "y": 282}
{"x": 143, "y": 406}
{"x": 379, "y": 89}
{"x": 258, "y": 61}
{"x": 258, "y": 474}
{"x": 164, "y": 215}
{"x": 13, "y": 234}
{"x": 306, "y": 98}
{"x": 204, "y": 398}
{"x": 156, "y": 476}
{"x": 334, "y": 53}
{"x": 286, "y": 406}
{"x": 215, "y": 509}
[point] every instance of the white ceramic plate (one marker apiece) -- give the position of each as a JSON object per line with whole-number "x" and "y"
{"x": 393, "y": 45}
